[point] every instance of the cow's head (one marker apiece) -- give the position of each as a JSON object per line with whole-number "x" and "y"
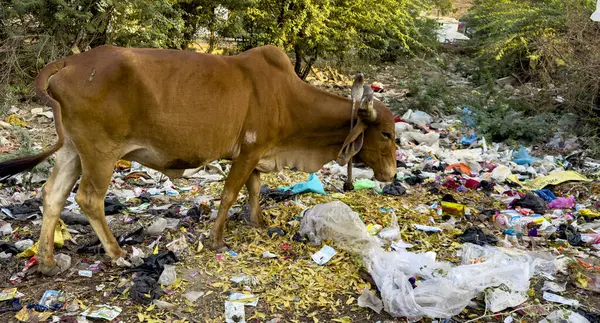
{"x": 372, "y": 139}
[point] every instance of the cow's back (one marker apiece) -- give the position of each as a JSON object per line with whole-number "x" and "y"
{"x": 177, "y": 109}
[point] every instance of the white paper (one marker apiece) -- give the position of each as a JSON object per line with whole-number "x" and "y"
{"x": 323, "y": 256}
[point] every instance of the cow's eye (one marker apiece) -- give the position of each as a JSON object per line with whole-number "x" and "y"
{"x": 387, "y": 135}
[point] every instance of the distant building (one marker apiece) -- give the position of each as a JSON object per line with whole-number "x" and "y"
{"x": 449, "y": 30}
{"x": 596, "y": 15}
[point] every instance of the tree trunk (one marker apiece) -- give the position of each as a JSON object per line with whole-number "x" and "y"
{"x": 299, "y": 58}
{"x": 190, "y": 22}
{"x": 282, "y": 10}
{"x": 212, "y": 39}
{"x": 308, "y": 66}
{"x": 212, "y": 42}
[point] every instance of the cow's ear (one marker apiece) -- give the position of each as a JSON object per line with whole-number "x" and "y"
{"x": 353, "y": 143}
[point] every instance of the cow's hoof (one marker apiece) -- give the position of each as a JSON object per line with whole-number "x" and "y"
{"x": 219, "y": 246}
{"x": 119, "y": 254}
{"x": 348, "y": 187}
{"x": 121, "y": 260}
{"x": 258, "y": 222}
{"x": 47, "y": 269}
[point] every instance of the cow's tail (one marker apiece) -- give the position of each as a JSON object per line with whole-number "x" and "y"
{"x": 15, "y": 166}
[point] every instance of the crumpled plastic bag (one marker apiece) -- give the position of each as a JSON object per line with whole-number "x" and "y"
{"x": 157, "y": 227}
{"x": 61, "y": 234}
{"x": 546, "y": 195}
{"x": 357, "y": 173}
{"x": 145, "y": 289}
{"x": 429, "y": 139}
{"x": 446, "y": 290}
{"x": 476, "y": 236}
{"x": 168, "y": 275}
{"x": 569, "y": 233}
{"x": 531, "y": 201}
{"x": 562, "y": 203}
{"x": 145, "y": 283}
{"x": 312, "y": 185}
{"x": 276, "y": 195}
{"x": 500, "y": 174}
{"x": 564, "y": 316}
{"x": 392, "y": 232}
{"x": 466, "y": 141}
{"x": 419, "y": 118}
{"x": 402, "y": 127}
{"x": 522, "y": 157}
{"x": 394, "y": 189}
{"x": 370, "y": 300}
{"x": 63, "y": 261}
{"x": 362, "y": 184}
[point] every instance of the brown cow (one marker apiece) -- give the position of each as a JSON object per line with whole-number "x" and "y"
{"x": 173, "y": 110}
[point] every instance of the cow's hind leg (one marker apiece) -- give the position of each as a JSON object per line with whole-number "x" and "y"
{"x": 56, "y": 190}
{"x": 97, "y": 173}
{"x": 240, "y": 171}
{"x": 253, "y": 186}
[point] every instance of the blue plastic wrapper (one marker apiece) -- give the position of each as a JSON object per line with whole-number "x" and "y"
{"x": 522, "y": 157}
{"x": 468, "y": 141}
{"x": 468, "y": 118}
{"x": 312, "y": 185}
{"x": 546, "y": 195}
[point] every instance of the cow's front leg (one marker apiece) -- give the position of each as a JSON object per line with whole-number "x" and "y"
{"x": 253, "y": 186}
{"x": 238, "y": 175}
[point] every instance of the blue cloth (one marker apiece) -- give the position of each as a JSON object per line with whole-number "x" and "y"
{"x": 522, "y": 157}
{"x": 546, "y": 195}
{"x": 312, "y": 185}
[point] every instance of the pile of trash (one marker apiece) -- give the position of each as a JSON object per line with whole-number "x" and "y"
{"x": 443, "y": 290}
{"x": 468, "y": 230}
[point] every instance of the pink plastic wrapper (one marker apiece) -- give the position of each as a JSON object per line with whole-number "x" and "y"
{"x": 562, "y": 203}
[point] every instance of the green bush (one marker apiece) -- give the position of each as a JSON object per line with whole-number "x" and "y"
{"x": 552, "y": 44}
{"x": 513, "y": 36}
{"x": 35, "y": 32}
{"x": 506, "y": 119}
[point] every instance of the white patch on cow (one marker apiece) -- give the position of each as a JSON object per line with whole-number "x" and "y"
{"x": 250, "y": 137}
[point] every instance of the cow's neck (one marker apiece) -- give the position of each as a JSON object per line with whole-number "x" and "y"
{"x": 324, "y": 113}
{"x": 321, "y": 123}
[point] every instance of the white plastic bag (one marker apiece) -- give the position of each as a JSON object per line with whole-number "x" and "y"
{"x": 357, "y": 173}
{"x": 419, "y": 118}
{"x": 430, "y": 139}
{"x": 500, "y": 174}
{"x": 402, "y": 127}
{"x": 370, "y": 300}
{"x": 168, "y": 275}
{"x": 63, "y": 261}
{"x": 157, "y": 227}
{"x": 392, "y": 232}
{"x": 446, "y": 289}
{"x": 564, "y": 316}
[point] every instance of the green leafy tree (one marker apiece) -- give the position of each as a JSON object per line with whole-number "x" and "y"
{"x": 34, "y": 32}
{"x": 316, "y": 28}
{"x": 213, "y": 15}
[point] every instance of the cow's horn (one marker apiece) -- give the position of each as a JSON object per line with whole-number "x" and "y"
{"x": 357, "y": 87}
{"x": 366, "y": 111}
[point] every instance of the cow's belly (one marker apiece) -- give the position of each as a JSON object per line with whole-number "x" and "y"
{"x": 174, "y": 157}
